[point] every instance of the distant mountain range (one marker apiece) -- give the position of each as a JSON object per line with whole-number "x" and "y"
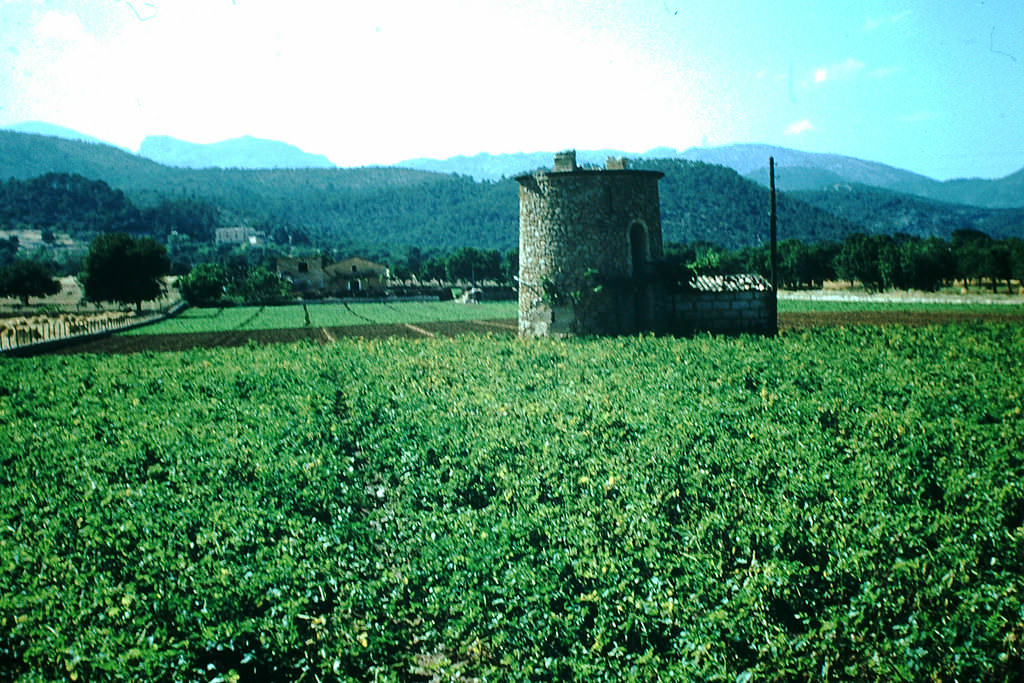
{"x": 243, "y": 152}
{"x": 794, "y": 170}
{"x": 713, "y": 194}
{"x": 51, "y": 130}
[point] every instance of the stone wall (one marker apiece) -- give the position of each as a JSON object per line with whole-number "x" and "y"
{"x": 720, "y": 312}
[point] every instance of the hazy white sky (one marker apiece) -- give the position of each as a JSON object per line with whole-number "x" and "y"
{"x": 934, "y": 86}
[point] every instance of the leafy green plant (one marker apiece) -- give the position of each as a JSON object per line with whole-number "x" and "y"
{"x": 840, "y": 504}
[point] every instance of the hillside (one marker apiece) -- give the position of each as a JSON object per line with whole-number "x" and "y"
{"x": 406, "y": 207}
{"x": 49, "y": 129}
{"x": 885, "y": 212}
{"x": 800, "y": 170}
{"x": 398, "y": 207}
{"x": 374, "y": 205}
{"x": 485, "y": 166}
{"x": 795, "y": 170}
{"x": 1003, "y": 193}
{"x": 704, "y": 202}
{"x": 29, "y": 155}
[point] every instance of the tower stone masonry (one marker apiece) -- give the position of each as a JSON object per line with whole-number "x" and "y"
{"x": 579, "y": 228}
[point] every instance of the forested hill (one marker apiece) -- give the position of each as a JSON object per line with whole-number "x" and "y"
{"x": 398, "y": 207}
{"x": 27, "y": 155}
{"x": 705, "y": 202}
{"x": 884, "y": 212}
{"x": 374, "y": 205}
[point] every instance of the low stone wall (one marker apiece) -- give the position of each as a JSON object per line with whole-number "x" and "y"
{"x": 682, "y": 314}
{"x": 730, "y": 312}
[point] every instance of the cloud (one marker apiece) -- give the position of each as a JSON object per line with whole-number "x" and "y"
{"x": 848, "y": 69}
{"x": 798, "y": 127}
{"x": 872, "y": 23}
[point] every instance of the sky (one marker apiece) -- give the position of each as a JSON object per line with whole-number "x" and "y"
{"x": 931, "y": 86}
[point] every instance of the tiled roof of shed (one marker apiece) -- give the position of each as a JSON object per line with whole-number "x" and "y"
{"x": 744, "y": 282}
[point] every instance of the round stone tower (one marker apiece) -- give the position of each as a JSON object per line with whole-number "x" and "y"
{"x": 586, "y": 239}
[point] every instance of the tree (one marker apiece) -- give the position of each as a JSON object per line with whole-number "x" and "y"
{"x": 1016, "y": 247}
{"x": 822, "y": 256}
{"x": 261, "y": 286}
{"x": 890, "y": 268}
{"x": 859, "y": 260}
{"x": 472, "y": 265}
{"x": 971, "y": 249}
{"x": 510, "y": 266}
{"x": 8, "y": 250}
{"x": 24, "y": 278}
{"x": 121, "y": 268}
{"x": 999, "y": 264}
{"x": 433, "y": 269}
{"x": 204, "y": 285}
{"x": 925, "y": 263}
{"x": 794, "y": 264}
{"x": 414, "y": 259}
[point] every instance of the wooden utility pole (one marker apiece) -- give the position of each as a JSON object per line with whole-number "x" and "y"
{"x": 773, "y": 239}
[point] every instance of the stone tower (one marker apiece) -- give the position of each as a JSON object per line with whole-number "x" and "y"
{"x": 587, "y": 238}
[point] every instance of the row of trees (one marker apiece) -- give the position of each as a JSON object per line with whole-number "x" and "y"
{"x": 465, "y": 264}
{"x": 215, "y": 284}
{"x": 129, "y": 270}
{"x": 24, "y": 278}
{"x": 118, "y": 268}
{"x": 878, "y": 262}
{"x": 239, "y": 278}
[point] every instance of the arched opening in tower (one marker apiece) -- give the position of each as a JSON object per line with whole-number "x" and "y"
{"x": 638, "y": 248}
{"x": 639, "y": 251}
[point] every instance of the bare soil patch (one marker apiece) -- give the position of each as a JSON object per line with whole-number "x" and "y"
{"x": 804, "y": 320}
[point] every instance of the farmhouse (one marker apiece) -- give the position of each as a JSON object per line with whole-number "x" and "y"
{"x": 357, "y": 277}
{"x": 315, "y": 276}
{"x": 239, "y": 235}
{"x": 591, "y": 262}
{"x": 306, "y": 274}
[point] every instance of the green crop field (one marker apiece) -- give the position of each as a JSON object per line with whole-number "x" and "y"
{"x": 839, "y": 504}
{"x": 325, "y": 315}
{"x": 333, "y": 315}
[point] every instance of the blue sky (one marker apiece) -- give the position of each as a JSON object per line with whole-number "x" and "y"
{"x": 933, "y": 86}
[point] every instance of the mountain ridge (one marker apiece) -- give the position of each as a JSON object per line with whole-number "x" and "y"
{"x": 392, "y": 206}
{"x": 243, "y": 152}
{"x": 795, "y": 170}
{"x": 55, "y": 131}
